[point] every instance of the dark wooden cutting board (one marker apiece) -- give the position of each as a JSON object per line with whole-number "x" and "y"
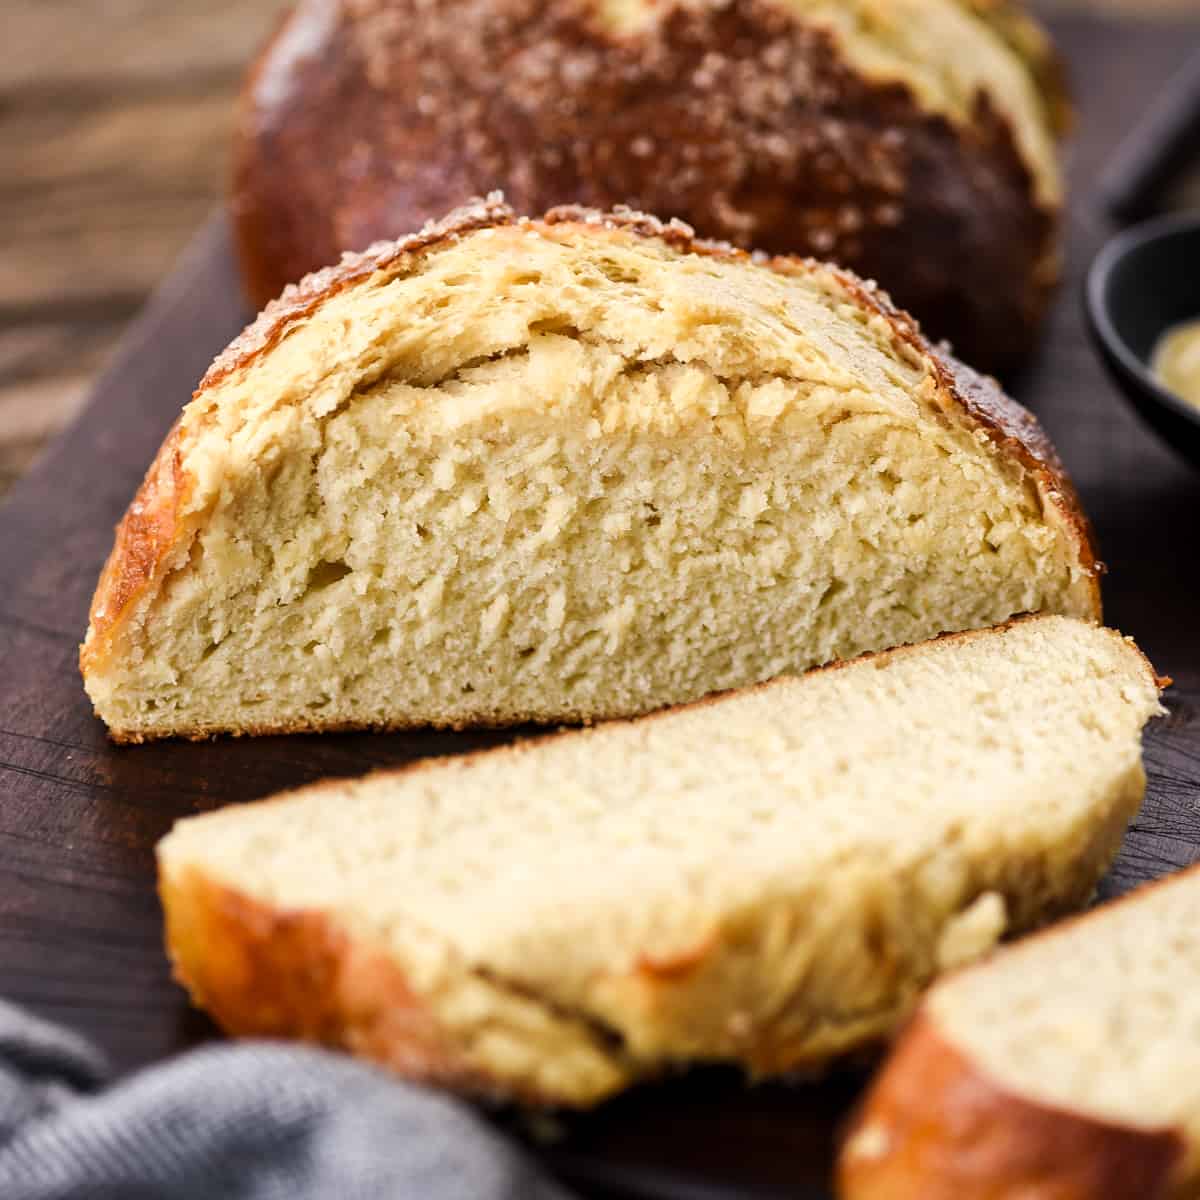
{"x": 79, "y": 921}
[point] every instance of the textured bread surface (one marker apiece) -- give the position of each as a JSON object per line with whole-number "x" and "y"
{"x": 765, "y": 878}
{"x": 564, "y": 470}
{"x": 911, "y": 140}
{"x": 1067, "y": 1066}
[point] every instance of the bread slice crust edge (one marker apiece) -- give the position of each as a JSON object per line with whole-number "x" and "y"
{"x": 935, "y": 1124}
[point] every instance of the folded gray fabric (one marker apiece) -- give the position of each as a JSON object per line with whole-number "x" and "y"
{"x": 254, "y": 1121}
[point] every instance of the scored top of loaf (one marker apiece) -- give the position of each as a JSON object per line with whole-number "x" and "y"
{"x": 980, "y": 395}
{"x": 148, "y": 535}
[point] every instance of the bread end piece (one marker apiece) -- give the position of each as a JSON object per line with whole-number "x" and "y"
{"x": 934, "y": 1126}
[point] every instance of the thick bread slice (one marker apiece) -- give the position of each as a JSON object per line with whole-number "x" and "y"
{"x": 1066, "y": 1067}
{"x": 767, "y": 878}
{"x": 561, "y": 470}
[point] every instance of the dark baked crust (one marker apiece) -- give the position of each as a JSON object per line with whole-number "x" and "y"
{"x": 1012, "y": 23}
{"x": 1016, "y": 429}
{"x": 364, "y": 118}
{"x": 151, "y": 529}
{"x": 934, "y": 1126}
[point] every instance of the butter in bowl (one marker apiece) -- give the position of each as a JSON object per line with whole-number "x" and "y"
{"x": 1143, "y": 307}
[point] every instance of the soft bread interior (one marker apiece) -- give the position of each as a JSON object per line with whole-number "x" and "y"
{"x": 542, "y": 475}
{"x": 1099, "y": 1018}
{"x": 769, "y": 877}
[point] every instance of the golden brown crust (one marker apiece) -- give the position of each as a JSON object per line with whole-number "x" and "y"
{"x": 147, "y": 536}
{"x": 1018, "y": 432}
{"x": 299, "y": 300}
{"x": 265, "y": 972}
{"x": 951, "y": 1133}
{"x": 262, "y": 972}
{"x": 934, "y": 1126}
{"x": 144, "y": 540}
{"x": 679, "y": 965}
{"x": 739, "y": 118}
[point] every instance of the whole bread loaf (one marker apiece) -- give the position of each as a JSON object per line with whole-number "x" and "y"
{"x": 1067, "y": 1066}
{"x": 768, "y": 878}
{"x": 581, "y": 467}
{"x": 911, "y": 140}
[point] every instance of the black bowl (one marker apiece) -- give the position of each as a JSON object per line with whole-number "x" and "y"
{"x": 1141, "y": 283}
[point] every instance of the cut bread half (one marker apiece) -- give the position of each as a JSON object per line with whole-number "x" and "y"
{"x": 582, "y": 467}
{"x": 1065, "y": 1067}
{"x": 767, "y": 878}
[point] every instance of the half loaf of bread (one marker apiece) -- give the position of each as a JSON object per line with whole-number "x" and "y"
{"x": 767, "y": 878}
{"x": 564, "y": 469}
{"x": 1067, "y": 1066}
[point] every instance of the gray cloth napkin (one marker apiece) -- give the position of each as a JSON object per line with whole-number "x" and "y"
{"x": 254, "y": 1121}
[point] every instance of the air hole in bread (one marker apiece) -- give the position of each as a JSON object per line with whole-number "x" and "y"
{"x": 617, "y": 272}
{"x": 562, "y": 326}
{"x": 325, "y": 574}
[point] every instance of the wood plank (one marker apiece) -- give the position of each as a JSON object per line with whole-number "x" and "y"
{"x": 114, "y": 131}
{"x": 65, "y": 42}
{"x": 134, "y": 189}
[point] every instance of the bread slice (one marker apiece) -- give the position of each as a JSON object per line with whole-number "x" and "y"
{"x": 766, "y": 878}
{"x": 559, "y": 470}
{"x": 1067, "y": 1066}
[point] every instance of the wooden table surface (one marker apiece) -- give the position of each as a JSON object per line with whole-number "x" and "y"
{"x": 114, "y": 123}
